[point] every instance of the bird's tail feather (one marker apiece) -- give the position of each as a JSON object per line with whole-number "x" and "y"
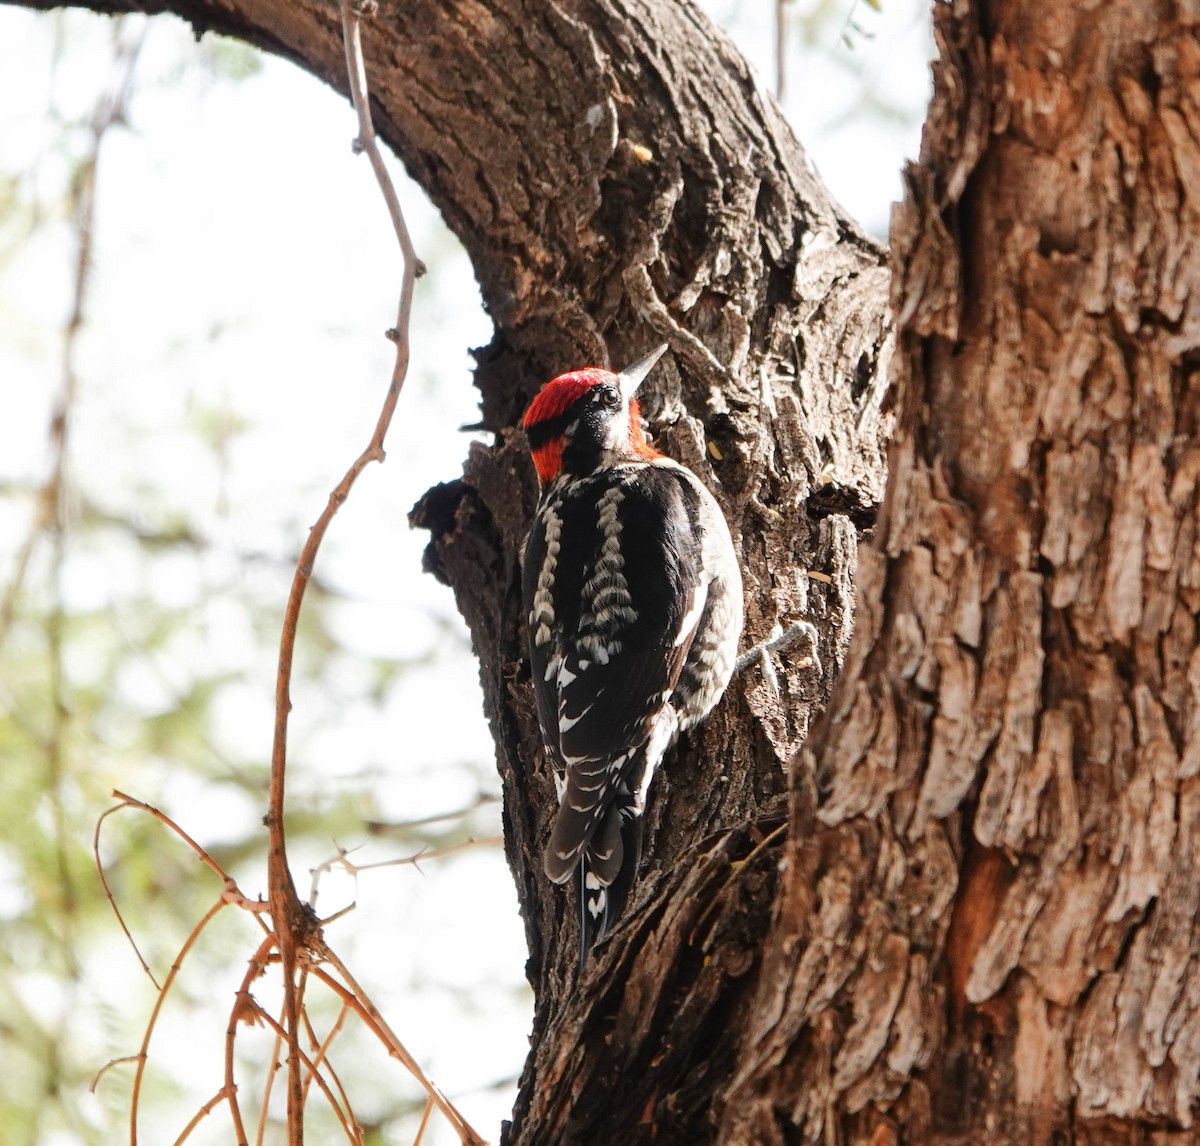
{"x": 581, "y": 813}
{"x": 607, "y": 871}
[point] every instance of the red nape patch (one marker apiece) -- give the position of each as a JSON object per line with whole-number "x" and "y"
{"x": 637, "y": 440}
{"x": 559, "y": 395}
{"x": 548, "y": 459}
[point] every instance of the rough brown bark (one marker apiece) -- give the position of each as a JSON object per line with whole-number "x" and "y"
{"x": 973, "y": 919}
{"x": 688, "y": 226}
{"x": 988, "y": 927}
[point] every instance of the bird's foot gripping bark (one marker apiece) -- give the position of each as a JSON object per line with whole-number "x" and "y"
{"x": 799, "y": 633}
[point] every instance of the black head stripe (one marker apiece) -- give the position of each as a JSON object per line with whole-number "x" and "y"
{"x": 584, "y": 418}
{"x": 548, "y": 429}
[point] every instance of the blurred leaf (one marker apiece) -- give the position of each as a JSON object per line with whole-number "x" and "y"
{"x": 227, "y": 59}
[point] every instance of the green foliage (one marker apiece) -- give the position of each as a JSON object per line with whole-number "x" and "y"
{"x": 228, "y": 60}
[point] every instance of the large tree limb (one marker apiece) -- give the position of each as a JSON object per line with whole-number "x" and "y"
{"x": 617, "y": 179}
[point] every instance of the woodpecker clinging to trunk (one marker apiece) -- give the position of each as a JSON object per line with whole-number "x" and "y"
{"x": 633, "y": 597}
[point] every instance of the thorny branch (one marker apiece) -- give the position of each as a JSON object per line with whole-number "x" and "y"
{"x": 342, "y": 860}
{"x": 383, "y": 827}
{"x": 353, "y": 996}
{"x": 246, "y": 1011}
{"x": 294, "y": 925}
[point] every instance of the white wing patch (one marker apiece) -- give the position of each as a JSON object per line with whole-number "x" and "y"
{"x": 566, "y": 723}
{"x": 596, "y": 902}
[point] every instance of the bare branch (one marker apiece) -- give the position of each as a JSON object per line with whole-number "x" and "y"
{"x": 292, "y": 924}
{"x": 343, "y": 861}
{"x": 353, "y": 996}
{"x": 385, "y": 827}
{"x": 144, "y": 1053}
{"x": 221, "y": 1096}
{"x": 245, "y": 1010}
{"x": 314, "y": 1074}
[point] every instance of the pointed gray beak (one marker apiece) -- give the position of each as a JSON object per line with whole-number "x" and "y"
{"x": 633, "y": 376}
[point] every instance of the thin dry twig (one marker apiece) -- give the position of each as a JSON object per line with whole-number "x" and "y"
{"x": 109, "y": 1066}
{"x": 353, "y": 1135}
{"x": 245, "y": 1010}
{"x": 425, "y": 1116}
{"x": 201, "y": 1115}
{"x": 343, "y": 861}
{"x": 112, "y": 902}
{"x": 264, "y": 1111}
{"x": 293, "y": 933}
{"x": 231, "y": 888}
{"x": 386, "y": 827}
{"x": 353, "y": 996}
{"x": 322, "y": 1047}
{"x": 293, "y": 924}
{"x": 144, "y": 1052}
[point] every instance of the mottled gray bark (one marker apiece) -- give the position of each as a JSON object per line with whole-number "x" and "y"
{"x": 966, "y": 913}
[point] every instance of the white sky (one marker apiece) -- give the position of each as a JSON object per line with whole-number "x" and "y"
{"x": 245, "y": 264}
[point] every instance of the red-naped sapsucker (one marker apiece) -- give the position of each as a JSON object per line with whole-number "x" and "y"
{"x": 633, "y": 598}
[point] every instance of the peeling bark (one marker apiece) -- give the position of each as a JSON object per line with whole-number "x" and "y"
{"x": 966, "y": 911}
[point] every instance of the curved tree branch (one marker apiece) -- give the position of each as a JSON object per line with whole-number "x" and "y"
{"x": 974, "y": 919}
{"x": 618, "y": 179}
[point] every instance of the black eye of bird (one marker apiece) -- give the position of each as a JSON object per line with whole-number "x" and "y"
{"x": 609, "y": 397}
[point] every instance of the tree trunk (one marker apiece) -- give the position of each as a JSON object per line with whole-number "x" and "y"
{"x": 986, "y": 930}
{"x": 965, "y": 912}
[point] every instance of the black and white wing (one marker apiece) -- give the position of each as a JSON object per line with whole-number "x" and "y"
{"x": 613, "y": 590}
